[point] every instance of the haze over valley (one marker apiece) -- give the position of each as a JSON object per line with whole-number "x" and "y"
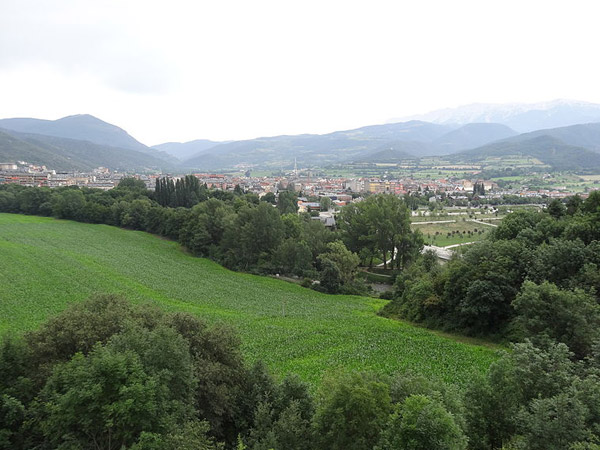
{"x": 83, "y": 142}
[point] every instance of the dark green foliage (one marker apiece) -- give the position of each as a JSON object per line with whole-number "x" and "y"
{"x": 557, "y": 209}
{"x": 330, "y": 276}
{"x": 287, "y": 202}
{"x": 192, "y": 435}
{"x": 12, "y": 416}
{"x": 479, "y": 189}
{"x": 106, "y": 398}
{"x": 534, "y": 397}
{"x": 352, "y": 410}
{"x": 251, "y": 238}
{"x": 476, "y": 292}
{"x": 293, "y": 257}
{"x": 269, "y": 197}
{"x": 108, "y": 373}
{"x": 346, "y": 261}
{"x": 219, "y": 368}
{"x": 381, "y": 223}
{"x": 68, "y": 204}
{"x": 205, "y": 225}
{"x": 282, "y": 419}
{"x": 554, "y": 423}
{"x": 572, "y": 317}
{"x": 420, "y": 423}
{"x": 185, "y": 192}
{"x": 132, "y": 183}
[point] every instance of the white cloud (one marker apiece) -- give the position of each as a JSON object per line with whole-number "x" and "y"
{"x": 237, "y": 69}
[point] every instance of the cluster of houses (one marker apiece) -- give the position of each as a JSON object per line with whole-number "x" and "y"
{"x": 338, "y": 189}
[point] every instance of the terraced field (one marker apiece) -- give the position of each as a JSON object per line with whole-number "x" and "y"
{"x": 45, "y": 264}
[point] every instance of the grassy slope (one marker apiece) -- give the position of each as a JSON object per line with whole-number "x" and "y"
{"x": 46, "y": 263}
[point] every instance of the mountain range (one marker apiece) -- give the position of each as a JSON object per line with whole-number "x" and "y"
{"x": 65, "y": 154}
{"x": 185, "y": 150}
{"x": 545, "y": 148}
{"x": 82, "y": 142}
{"x": 83, "y": 127}
{"x": 521, "y": 117}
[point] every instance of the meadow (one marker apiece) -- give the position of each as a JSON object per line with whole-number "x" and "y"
{"x": 45, "y": 264}
{"x": 459, "y": 232}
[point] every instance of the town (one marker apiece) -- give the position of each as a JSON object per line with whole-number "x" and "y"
{"x": 340, "y": 190}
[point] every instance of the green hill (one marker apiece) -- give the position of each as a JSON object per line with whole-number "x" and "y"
{"x": 70, "y": 154}
{"x": 547, "y": 149}
{"x": 47, "y": 263}
{"x": 319, "y": 150}
{"x": 393, "y": 153}
{"x": 583, "y": 135}
{"x": 83, "y": 127}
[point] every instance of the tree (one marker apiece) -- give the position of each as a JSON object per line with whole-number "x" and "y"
{"x": 287, "y": 202}
{"x": 269, "y": 197}
{"x": 125, "y": 375}
{"x": 527, "y": 373}
{"x": 330, "y": 276}
{"x": 204, "y": 226}
{"x": 352, "y": 411}
{"x": 556, "y": 208}
{"x": 380, "y": 222}
{"x": 571, "y": 317}
{"x": 105, "y": 399}
{"x": 131, "y": 183}
{"x": 135, "y": 215}
{"x": 554, "y": 423}
{"x": 252, "y": 236}
{"x": 34, "y": 201}
{"x": 420, "y": 423}
{"x": 293, "y": 257}
{"x": 325, "y": 203}
{"x": 68, "y": 204}
{"x": 479, "y": 188}
{"x": 284, "y": 420}
{"x": 346, "y": 261}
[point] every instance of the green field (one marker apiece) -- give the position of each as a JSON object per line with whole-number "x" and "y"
{"x": 45, "y": 264}
{"x": 460, "y": 228}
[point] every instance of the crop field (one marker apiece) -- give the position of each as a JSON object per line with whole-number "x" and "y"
{"x": 449, "y": 233}
{"x": 515, "y": 161}
{"x": 45, "y": 264}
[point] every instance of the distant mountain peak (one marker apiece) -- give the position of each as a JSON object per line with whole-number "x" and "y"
{"x": 82, "y": 118}
{"x": 522, "y": 117}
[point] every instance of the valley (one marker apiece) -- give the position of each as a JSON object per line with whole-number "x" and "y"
{"x": 47, "y": 264}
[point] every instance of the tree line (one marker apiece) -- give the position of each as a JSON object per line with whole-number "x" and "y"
{"x": 537, "y": 273}
{"x": 239, "y": 230}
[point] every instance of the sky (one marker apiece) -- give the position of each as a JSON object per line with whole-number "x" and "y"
{"x": 225, "y": 70}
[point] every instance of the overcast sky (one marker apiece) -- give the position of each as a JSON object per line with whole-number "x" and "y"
{"x": 219, "y": 69}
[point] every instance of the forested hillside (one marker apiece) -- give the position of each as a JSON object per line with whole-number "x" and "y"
{"x": 82, "y": 127}
{"x": 549, "y": 150}
{"x": 65, "y": 154}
